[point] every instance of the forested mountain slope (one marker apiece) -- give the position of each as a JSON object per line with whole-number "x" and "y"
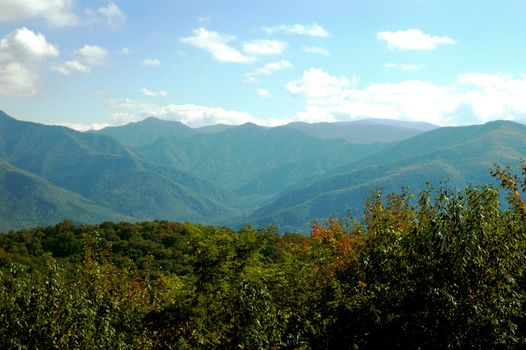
{"x": 108, "y": 173}
{"x": 234, "y": 174}
{"x": 454, "y": 156}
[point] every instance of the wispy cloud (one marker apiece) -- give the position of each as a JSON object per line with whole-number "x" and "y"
{"x": 68, "y": 67}
{"x": 265, "y": 47}
{"x": 21, "y": 53}
{"x": 87, "y": 57}
{"x": 217, "y": 44}
{"x": 268, "y": 69}
{"x": 113, "y": 16}
{"x": 314, "y": 30}
{"x": 204, "y": 19}
{"x": 412, "y": 39}
{"x": 403, "y": 67}
{"x": 151, "y": 62}
{"x": 151, "y": 93}
{"x": 263, "y": 93}
{"x": 316, "y": 50}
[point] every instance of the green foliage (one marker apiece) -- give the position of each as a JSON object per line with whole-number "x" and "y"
{"x": 443, "y": 270}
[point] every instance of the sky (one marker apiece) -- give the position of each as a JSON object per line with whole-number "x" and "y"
{"x": 97, "y": 63}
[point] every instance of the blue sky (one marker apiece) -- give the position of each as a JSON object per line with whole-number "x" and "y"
{"x": 88, "y": 64}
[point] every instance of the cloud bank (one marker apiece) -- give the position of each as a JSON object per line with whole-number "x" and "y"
{"x": 471, "y": 98}
{"x": 190, "y": 114}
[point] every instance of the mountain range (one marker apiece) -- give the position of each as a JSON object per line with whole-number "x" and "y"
{"x": 232, "y": 175}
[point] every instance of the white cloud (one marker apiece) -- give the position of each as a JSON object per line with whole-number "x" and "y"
{"x": 265, "y": 47}
{"x": 494, "y": 96}
{"x": 110, "y": 15}
{"x": 92, "y": 55}
{"x": 263, "y": 93}
{"x": 17, "y": 80}
{"x": 151, "y": 62}
{"x": 314, "y": 30}
{"x": 83, "y": 127}
{"x": 472, "y": 98}
{"x": 60, "y": 13}
{"x": 21, "y": 53}
{"x": 113, "y": 16}
{"x": 316, "y": 83}
{"x": 25, "y": 45}
{"x": 87, "y": 57}
{"x": 150, "y": 93}
{"x": 217, "y": 45}
{"x": 124, "y": 51}
{"x": 268, "y": 69}
{"x": 412, "y": 39}
{"x": 192, "y": 115}
{"x": 316, "y": 50}
{"x": 403, "y": 67}
{"x": 69, "y": 67}
{"x": 57, "y": 13}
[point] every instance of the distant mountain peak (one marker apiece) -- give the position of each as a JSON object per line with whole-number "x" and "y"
{"x": 159, "y": 121}
{"x": 251, "y": 125}
{"x": 146, "y": 131}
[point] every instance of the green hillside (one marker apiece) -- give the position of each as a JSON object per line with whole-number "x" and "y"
{"x": 107, "y": 173}
{"x": 456, "y": 156}
{"x": 27, "y": 200}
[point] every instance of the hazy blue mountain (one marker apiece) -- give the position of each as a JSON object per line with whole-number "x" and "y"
{"x": 109, "y": 174}
{"x": 247, "y": 155}
{"x": 423, "y": 126}
{"x": 458, "y": 155}
{"x": 27, "y": 200}
{"x": 439, "y": 139}
{"x": 214, "y": 129}
{"x": 231, "y": 175}
{"x": 146, "y": 131}
{"x": 364, "y": 131}
{"x": 297, "y": 173}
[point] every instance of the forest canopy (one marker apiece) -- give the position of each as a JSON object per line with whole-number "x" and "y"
{"x": 444, "y": 269}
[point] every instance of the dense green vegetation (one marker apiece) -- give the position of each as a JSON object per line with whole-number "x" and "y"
{"x": 443, "y": 270}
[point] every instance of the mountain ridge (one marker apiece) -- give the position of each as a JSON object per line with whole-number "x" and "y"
{"x": 247, "y": 173}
